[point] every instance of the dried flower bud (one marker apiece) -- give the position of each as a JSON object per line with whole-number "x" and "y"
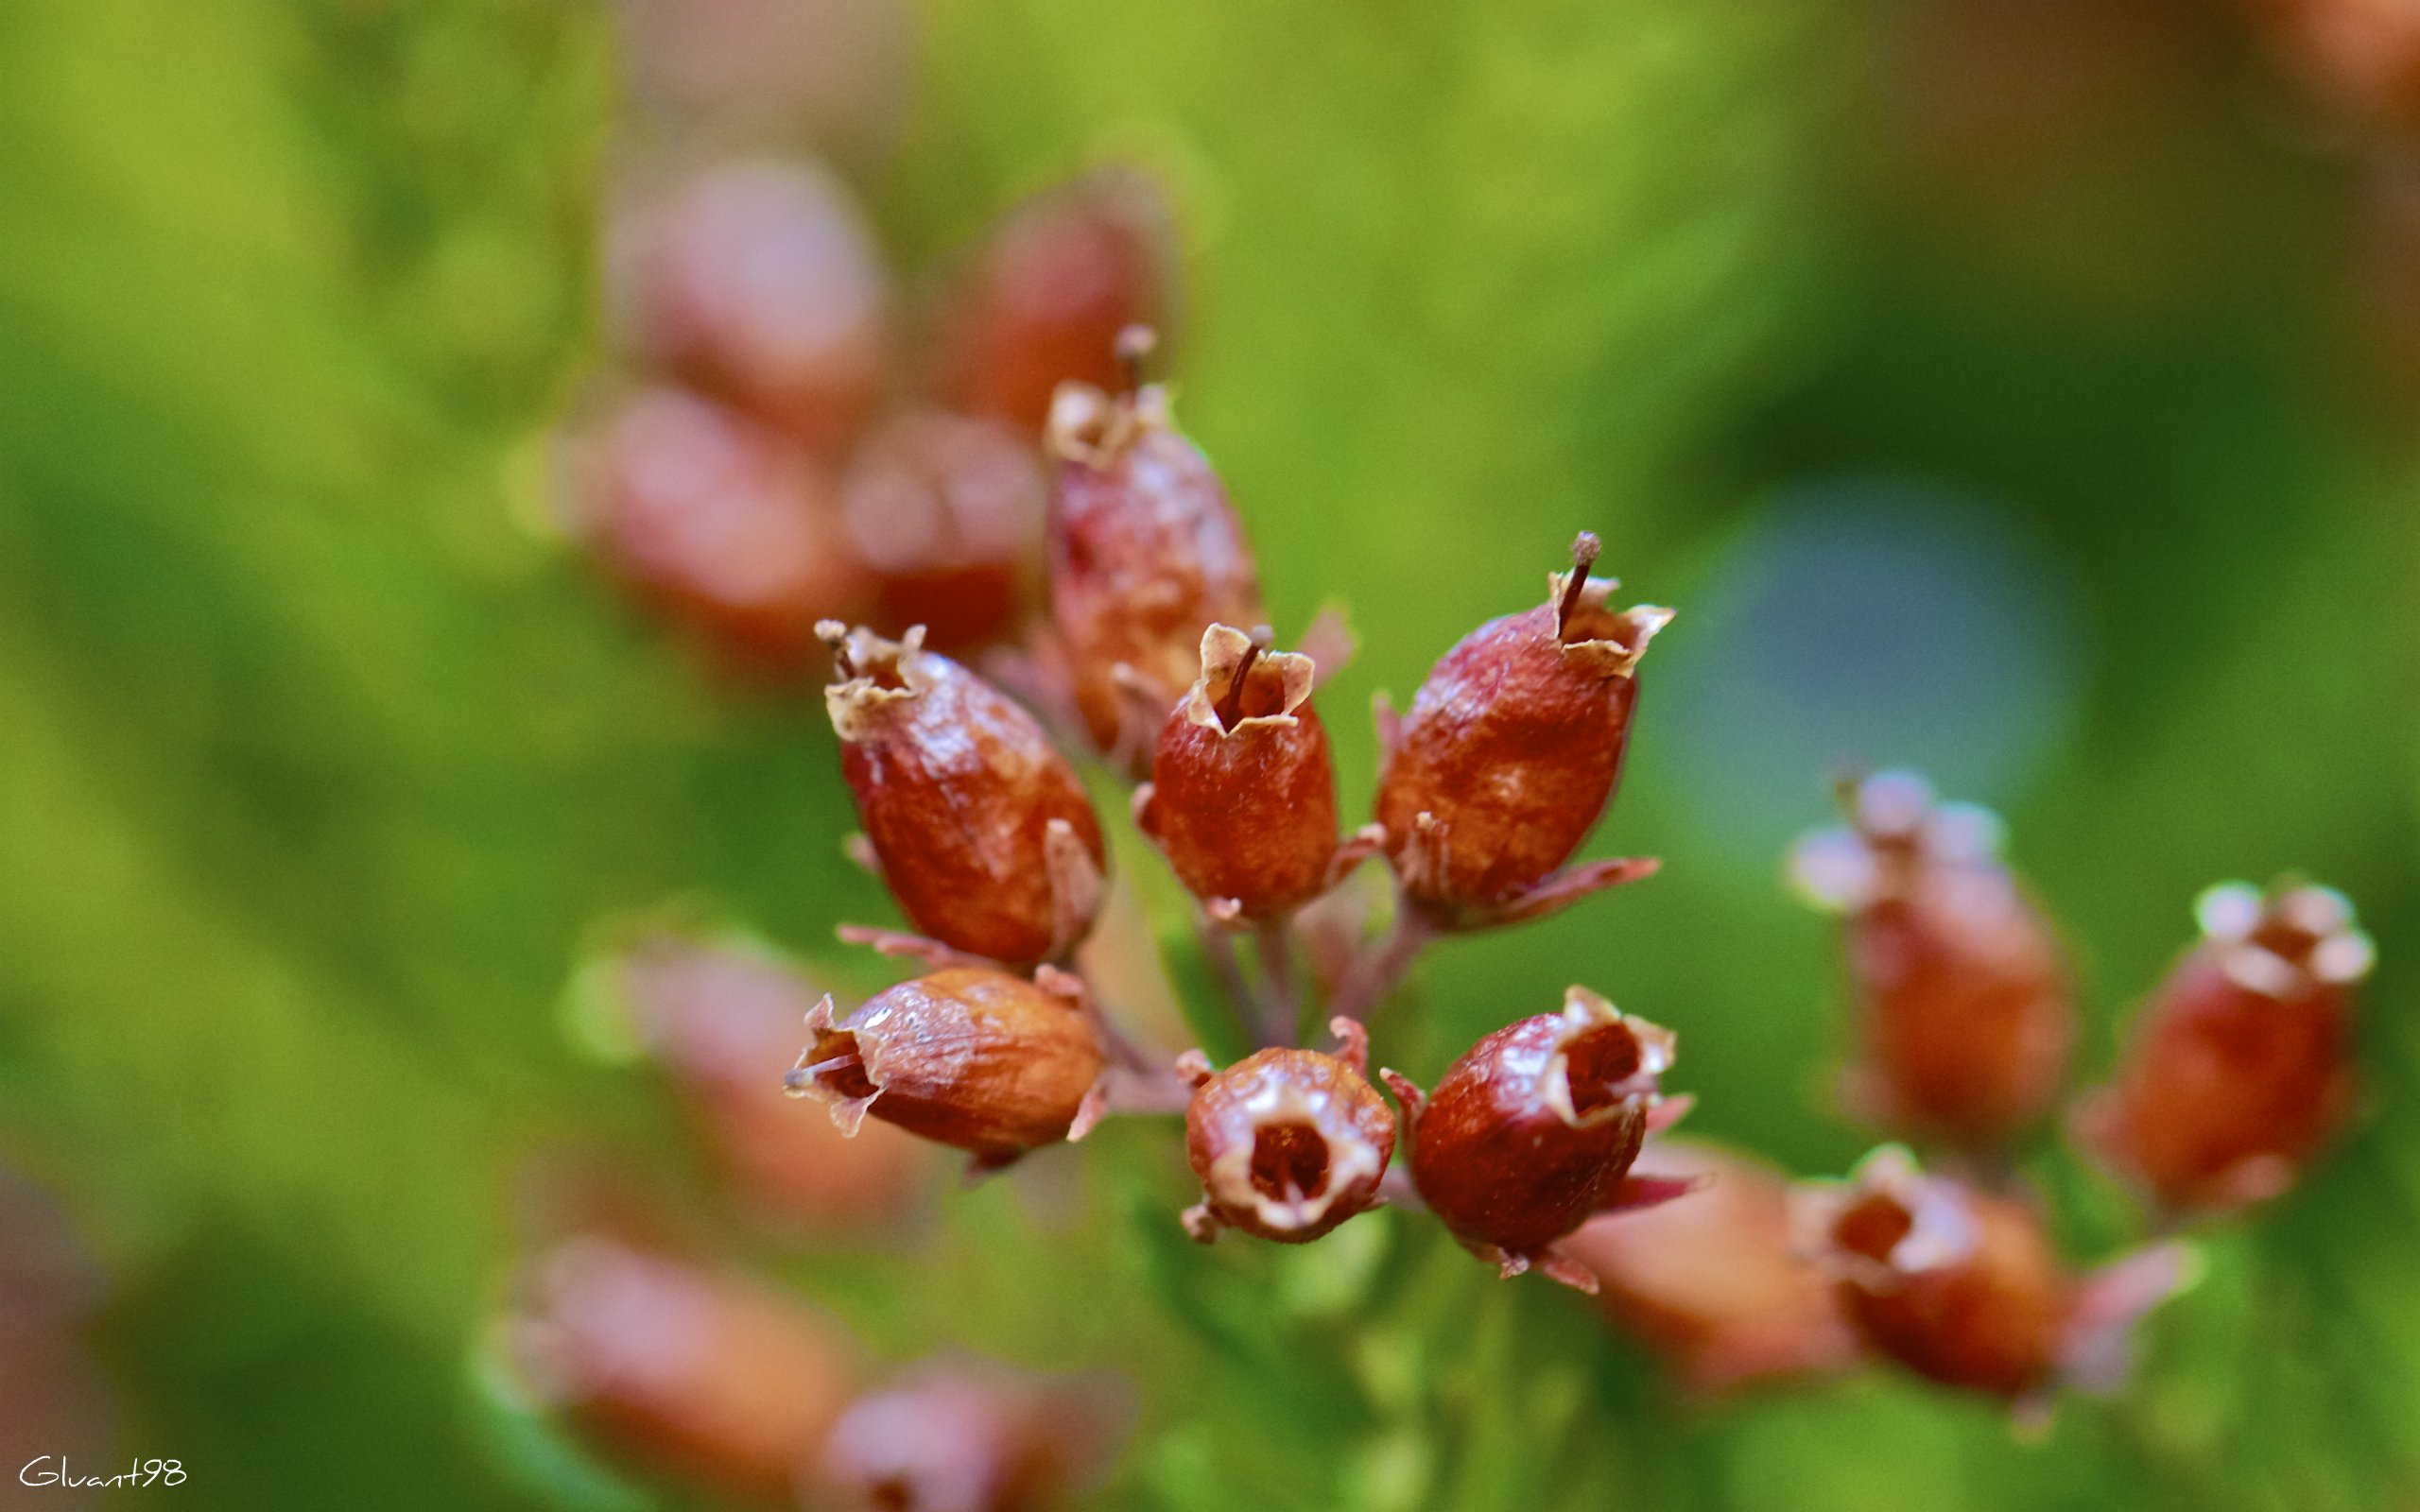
{"x": 968, "y": 1436}
{"x": 1145, "y": 553}
{"x": 719, "y": 521}
{"x": 1244, "y": 791}
{"x": 1533, "y": 1130}
{"x": 976, "y": 1058}
{"x": 946, "y": 511}
{"x": 1714, "y": 1283}
{"x": 982, "y": 830}
{"x": 1965, "y": 1012}
{"x": 758, "y": 282}
{"x": 2238, "y": 1071}
{"x": 1289, "y": 1143}
{"x": 1510, "y": 752}
{"x": 1049, "y": 293}
{"x": 721, "y": 1018}
{"x": 717, "y": 1379}
{"x": 1962, "y": 1286}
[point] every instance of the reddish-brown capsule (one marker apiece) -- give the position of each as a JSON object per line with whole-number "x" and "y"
{"x": 946, "y": 511}
{"x": 1533, "y": 1130}
{"x": 2363, "y": 56}
{"x": 1287, "y": 1144}
{"x": 1961, "y": 1285}
{"x": 967, "y": 1057}
{"x": 1145, "y": 553}
{"x": 721, "y": 1018}
{"x": 1965, "y": 1014}
{"x": 1048, "y": 295}
{"x": 1511, "y": 751}
{"x": 713, "y": 1377}
{"x": 717, "y": 521}
{"x": 1244, "y": 791}
{"x": 981, "y": 827}
{"x": 1713, "y": 1285}
{"x": 758, "y": 282}
{"x": 965, "y": 1437}
{"x": 2239, "y": 1070}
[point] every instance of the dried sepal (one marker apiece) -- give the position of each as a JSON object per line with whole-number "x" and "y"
{"x": 1964, "y": 1010}
{"x": 2239, "y": 1067}
{"x": 1287, "y": 1144}
{"x": 976, "y": 1058}
{"x": 983, "y": 831}
{"x": 1533, "y": 1130}
{"x": 1511, "y": 751}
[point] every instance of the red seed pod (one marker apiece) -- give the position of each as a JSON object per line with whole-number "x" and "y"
{"x": 982, "y": 830}
{"x": 719, "y": 521}
{"x": 1048, "y": 295}
{"x": 965, "y": 1437}
{"x": 946, "y": 511}
{"x": 2361, "y": 55}
{"x": 1510, "y": 752}
{"x": 1962, "y": 1286}
{"x": 1287, "y": 1144}
{"x": 1244, "y": 791}
{"x": 711, "y": 1377}
{"x": 967, "y": 1057}
{"x": 1145, "y": 553}
{"x": 758, "y": 282}
{"x": 2239, "y": 1070}
{"x": 1713, "y": 1285}
{"x": 1533, "y": 1130}
{"x": 1965, "y": 1013}
{"x": 721, "y": 1018}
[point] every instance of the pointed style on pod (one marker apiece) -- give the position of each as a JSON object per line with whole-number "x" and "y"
{"x": 967, "y": 1057}
{"x": 1964, "y": 1010}
{"x": 1533, "y": 1131}
{"x": 964, "y": 1435}
{"x": 1714, "y": 1286}
{"x": 1287, "y": 1144}
{"x": 1962, "y": 1286}
{"x": 1511, "y": 751}
{"x": 982, "y": 832}
{"x": 2239, "y": 1070}
{"x": 1145, "y": 553}
{"x": 1242, "y": 797}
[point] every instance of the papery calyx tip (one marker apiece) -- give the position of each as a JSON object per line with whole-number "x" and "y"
{"x": 1244, "y": 682}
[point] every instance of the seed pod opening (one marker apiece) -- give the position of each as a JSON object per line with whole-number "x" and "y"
{"x": 977, "y": 1059}
{"x": 2240, "y": 1067}
{"x": 1288, "y": 1145}
{"x": 1512, "y": 751}
{"x": 983, "y": 831}
{"x": 1243, "y": 789}
{"x": 1145, "y": 554}
{"x": 1965, "y": 1012}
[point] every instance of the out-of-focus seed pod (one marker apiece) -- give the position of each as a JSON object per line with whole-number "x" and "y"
{"x": 1047, "y": 295}
{"x": 1511, "y": 751}
{"x": 707, "y": 1375}
{"x": 1287, "y": 1144}
{"x": 946, "y": 511}
{"x": 966, "y": 1437}
{"x": 1243, "y": 790}
{"x": 719, "y": 521}
{"x": 2239, "y": 1067}
{"x": 55, "y": 1400}
{"x": 982, "y": 830}
{"x": 1533, "y": 1131}
{"x": 1962, "y": 1286}
{"x": 1713, "y": 1285}
{"x": 1965, "y": 1014}
{"x": 966, "y": 1056}
{"x": 2361, "y": 55}
{"x": 1145, "y": 554}
{"x": 724, "y": 1021}
{"x": 758, "y": 282}
{"x": 837, "y": 68}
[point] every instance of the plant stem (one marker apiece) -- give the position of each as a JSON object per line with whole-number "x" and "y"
{"x": 1281, "y": 1011}
{"x": 1380, "y": 969}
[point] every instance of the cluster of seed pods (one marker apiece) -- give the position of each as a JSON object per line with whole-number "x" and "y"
{"x": 2236, "y": 1074}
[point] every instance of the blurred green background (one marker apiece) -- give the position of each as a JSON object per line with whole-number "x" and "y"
{"x": 2012, "y": 390}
